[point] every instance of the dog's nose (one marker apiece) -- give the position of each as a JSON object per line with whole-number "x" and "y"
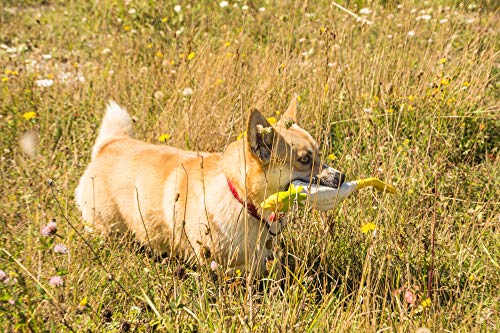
{"x": 331, "y": 177}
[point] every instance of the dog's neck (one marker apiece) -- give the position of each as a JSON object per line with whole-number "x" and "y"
{"x": 240, "y": 169}
{"x": 247, "y": 184}
{"x": 252, "y": 210}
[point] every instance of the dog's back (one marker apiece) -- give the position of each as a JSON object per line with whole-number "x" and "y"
{"x": 123, "y": 186}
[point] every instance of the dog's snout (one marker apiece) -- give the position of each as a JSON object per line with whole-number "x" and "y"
{"x": 331, "y": 177}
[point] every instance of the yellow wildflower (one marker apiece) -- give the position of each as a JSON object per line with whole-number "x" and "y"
{"x": 442, "y": 61}
{"x": 465, "y": 84}
{"x": 191, "y": 56}
{"x": 272, "y": 120}
{"x": 159, "y": 54}
{"x": 444, "y": 81}
{"x": 164, "y": 137}
{"x": 150, "y": 45}
{"x": 411, "y": 98}
{"x": 83, "y": 302}
{"x": 163, "y": 20}
{"x": 126, "y": 28}
{"x": 227, "y": 44}
{"x": 299, "y": 98}
{"x": 426, "y": 302}
{"x": 390, "y": 110}
{"x": 29, "y": 115}
{"x": 331, "y": 157}
{"x": 229, "y": 54}
{"x": 367, "y": 227}
{"x": 238, "y": 272}
{"x": 7, "y": 72}
{"x": 241, "y": 135}
{"x": 5, "y": 79}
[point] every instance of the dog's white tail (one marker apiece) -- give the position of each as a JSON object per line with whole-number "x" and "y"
{"x": 116, "y": 122}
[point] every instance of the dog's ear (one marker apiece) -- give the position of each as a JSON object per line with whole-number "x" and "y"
{"x": 260, "y": 136}
{"x": 291, "y": 112}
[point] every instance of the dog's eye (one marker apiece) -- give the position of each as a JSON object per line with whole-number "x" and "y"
{"x": 304, "y": 159}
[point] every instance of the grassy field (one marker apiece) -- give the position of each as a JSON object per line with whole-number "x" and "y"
{"x": 406, "y": 91}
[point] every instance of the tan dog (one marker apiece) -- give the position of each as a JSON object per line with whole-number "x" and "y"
{"x": 198, "y": 205}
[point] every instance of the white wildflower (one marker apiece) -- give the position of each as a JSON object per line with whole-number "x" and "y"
{"x": 262, "y": 9}
{"x": 64, "y": 77}
{"x": 46, "y": 56}
{"x": 223, "y": 4}
{"x": 158, "y": 95}
{"x": 132, "y": 11}
{"x": 44, "y": 83}
{"x": 364, "y": 21}
{"x": 365, "y": 11}
{"x": 177, "y": 8}
{"x": 443, "y": 21}
{"x": 244, "y": 7}
{"x": 88, "y": 229}
{"x": 411, "y": 33}
{"x": 187, "y": 92}
{"x": 423, "y": 17}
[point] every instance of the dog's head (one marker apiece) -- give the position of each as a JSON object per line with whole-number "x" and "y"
{"x": 283, "y": 153}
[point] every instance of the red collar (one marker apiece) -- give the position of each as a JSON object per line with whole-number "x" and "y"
{"x": 252, "y": 210}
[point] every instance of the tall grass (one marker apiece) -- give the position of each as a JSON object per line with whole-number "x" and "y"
{"x": 411, "y": 98}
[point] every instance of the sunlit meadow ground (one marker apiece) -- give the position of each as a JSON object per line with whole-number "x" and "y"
{"x": 407, "y": 92}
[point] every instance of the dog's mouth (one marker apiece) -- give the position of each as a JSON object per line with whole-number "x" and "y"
{"x": 333, "y": 182}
